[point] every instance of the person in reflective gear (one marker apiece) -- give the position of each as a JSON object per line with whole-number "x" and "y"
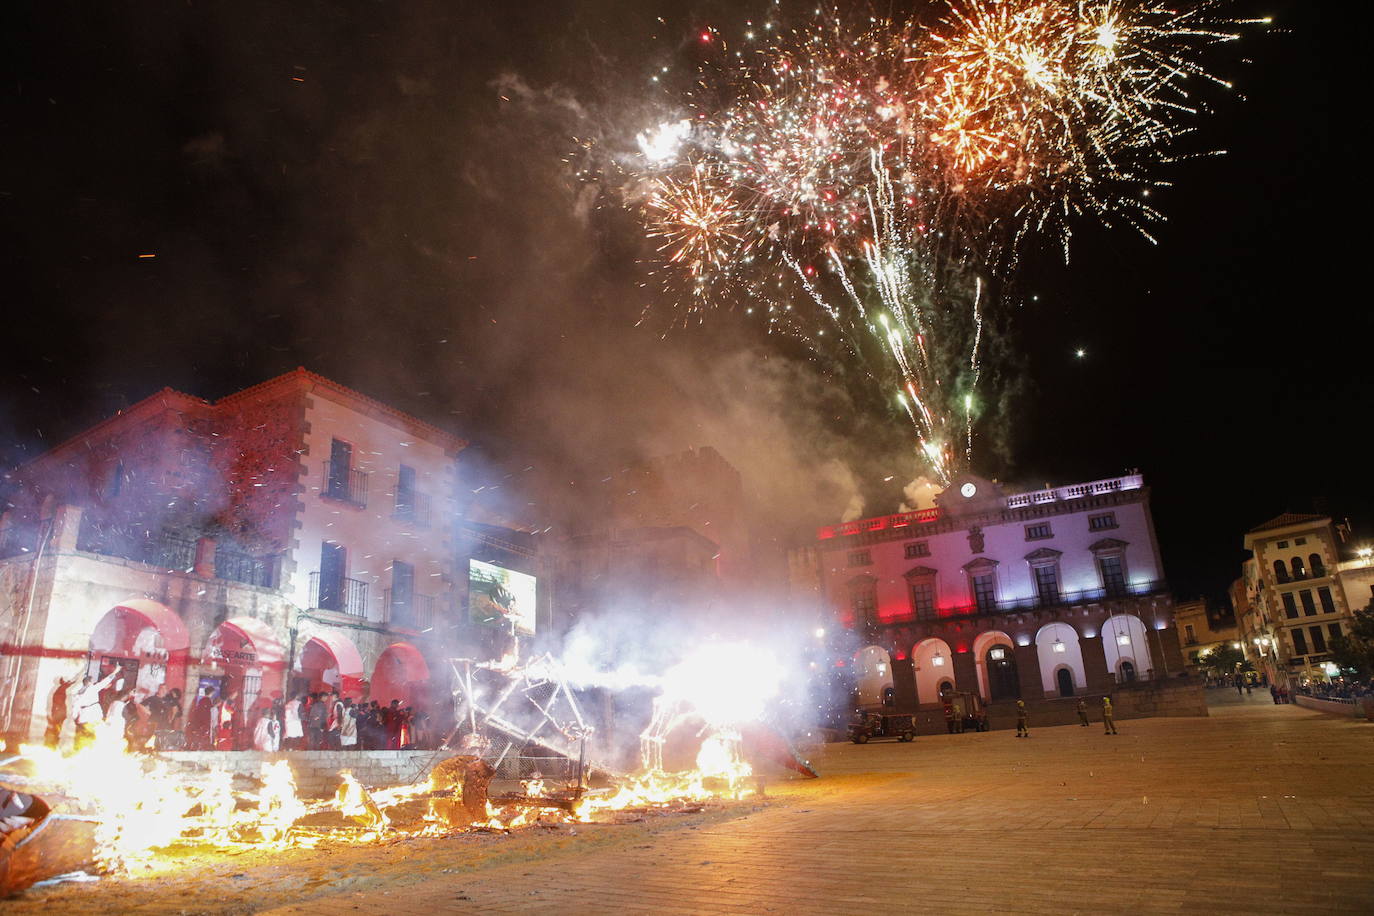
{"x": 1083, "y": 712}
{"x": 1022, "y": 720}
{"x": 1108, "y": 723}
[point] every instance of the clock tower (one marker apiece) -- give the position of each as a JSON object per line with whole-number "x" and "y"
{"x": 969, "y": 494}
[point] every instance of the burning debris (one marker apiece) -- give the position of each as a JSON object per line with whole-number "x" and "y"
{"x": 133, "y": 806}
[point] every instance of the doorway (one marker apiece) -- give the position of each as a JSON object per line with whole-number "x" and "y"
{"x": 1064, "y": 677}
{"x": 1003, "y": 683}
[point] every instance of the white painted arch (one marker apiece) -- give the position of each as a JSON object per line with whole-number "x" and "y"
{"x": 1056, "y": 647}
{"x": 934, "y": 663}
{"x": 981, "y": 645}
{"x": 872, "y": 674}
{"x": 1124, "y": 639}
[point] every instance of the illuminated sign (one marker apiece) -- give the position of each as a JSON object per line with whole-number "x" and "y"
{"x": 501, "y": 597}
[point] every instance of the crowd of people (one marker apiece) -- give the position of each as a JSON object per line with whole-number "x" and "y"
{"x": 1339, "y": 689}
{"x": 313, "y": 721}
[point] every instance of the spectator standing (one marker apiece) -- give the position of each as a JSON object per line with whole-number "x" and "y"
{"x": 333, "y": 722}
{"x": 292, "y": 730}
{"x": 57, "y": 712}
{"x": 267, "y": 733}
{"x": 316, "y": 718}
{"x": 348, "y": 726}
{"x": 1083, "y": 712}
{"x": 88, "y": 709}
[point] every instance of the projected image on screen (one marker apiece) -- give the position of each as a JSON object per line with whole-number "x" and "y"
{"x": 499, "y": 597}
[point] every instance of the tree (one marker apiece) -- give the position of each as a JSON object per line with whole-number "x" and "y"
{"x": 1353, "y": 652}
{"x": 1223, "y": 659}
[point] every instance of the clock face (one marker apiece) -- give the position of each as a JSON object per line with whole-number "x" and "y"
{"x": 968, "y": 490}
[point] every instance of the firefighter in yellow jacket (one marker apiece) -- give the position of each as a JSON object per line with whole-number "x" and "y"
{"x": 1108, "y": 723}
{"x": 1022, "y": 720}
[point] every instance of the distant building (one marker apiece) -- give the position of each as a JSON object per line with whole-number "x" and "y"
{"x": 291, "y": 536}
{"x": 1036, "y": 594}
{"x": 1200, "y": 630}
{"x": 653, "y": 570}
{"x": 696, "y": 489}
{"x": 1298, "y": 591}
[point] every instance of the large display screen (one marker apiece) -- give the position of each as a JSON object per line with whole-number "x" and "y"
{"x": 498, "y": 596}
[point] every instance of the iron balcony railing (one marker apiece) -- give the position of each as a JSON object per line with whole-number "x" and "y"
{"x": 337, "y": 593}
{"x": 417, "y": 612}
{"x": 1038, "y": 602}
{"x": 168, "y": 549}
{"x": 412, "y": 507}
{"x": 345, "y": 484}
{"x": 237, "y": 566}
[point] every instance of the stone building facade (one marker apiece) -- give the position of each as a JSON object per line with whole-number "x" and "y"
{"x": 288, "y": 537}
{"x": 1030, "y": 595}
{"x": 1297, "y": 591}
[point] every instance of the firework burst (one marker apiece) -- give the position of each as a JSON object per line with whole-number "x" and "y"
{"x": 865, "y": 186}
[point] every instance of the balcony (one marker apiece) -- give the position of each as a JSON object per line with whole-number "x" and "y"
{"x": 167, "y": 549}
{"x": 346, "y": 596}
{"x": 1038, "y": 602}
{"x": 412, "y": 507}
{"x": 1077, "y": 491}
{"x": 237, "y": 566}
{"x": 345, "y": 484}
{"x": 417, "y": 613}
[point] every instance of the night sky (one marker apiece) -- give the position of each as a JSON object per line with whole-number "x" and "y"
{"x": 378, "y": 191}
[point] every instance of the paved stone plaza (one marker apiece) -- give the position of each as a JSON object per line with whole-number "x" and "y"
{"x": 1258, "y": 808}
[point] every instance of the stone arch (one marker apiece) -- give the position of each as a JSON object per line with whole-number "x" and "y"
{"x": 983, "y": 644}
{"x": 872, "y": 674}
{"x": 400, "y": 674}
{"x": 146, "y": 639}
{"x": 251, "y": 659}
{"x": 1124, "y": 639}
{"x": 934, "y": 663}
{"x": 327, "y": 658}
{"x": 1057, "y": 646}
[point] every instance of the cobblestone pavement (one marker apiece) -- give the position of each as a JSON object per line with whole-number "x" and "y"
{"x": 1259, "y": 808}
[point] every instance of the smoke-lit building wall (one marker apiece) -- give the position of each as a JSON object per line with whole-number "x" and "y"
{"x": 223, "y": 546}
{"x": 696, "y": 489}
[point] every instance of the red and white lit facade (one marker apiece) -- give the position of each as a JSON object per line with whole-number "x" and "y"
{"x": 1030, "y": 595}
{"x": 296, "y": 535}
